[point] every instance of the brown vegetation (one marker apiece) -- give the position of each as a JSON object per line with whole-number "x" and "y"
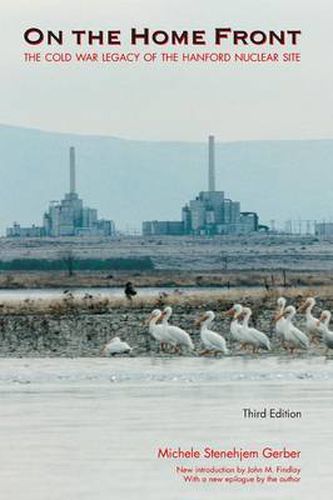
{"x": 70, "y": 304}
{"x": 227, "y": 279}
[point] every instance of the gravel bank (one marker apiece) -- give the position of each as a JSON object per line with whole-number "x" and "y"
{"x": 83, "y": 333}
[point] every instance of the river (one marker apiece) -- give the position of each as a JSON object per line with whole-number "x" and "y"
{"x": 90, "y": 428}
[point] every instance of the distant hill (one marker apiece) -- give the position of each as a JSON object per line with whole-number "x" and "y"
{"x": 131, "y": 181}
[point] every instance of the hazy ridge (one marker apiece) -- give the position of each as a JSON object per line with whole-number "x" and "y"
{"x": 131, "y": 181}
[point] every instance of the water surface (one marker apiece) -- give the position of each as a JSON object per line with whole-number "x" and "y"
{"x": 90, "y": 428}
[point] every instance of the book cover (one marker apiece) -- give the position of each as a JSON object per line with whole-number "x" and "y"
{"x": 166, "y": 250}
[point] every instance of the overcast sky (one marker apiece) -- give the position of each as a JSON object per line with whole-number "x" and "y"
{"x": 171, "y": 102}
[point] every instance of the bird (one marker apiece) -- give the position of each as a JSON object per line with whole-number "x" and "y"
{"x": 178, "y": 336}
{"x": 292, "y": 335}
{"x": 323, "y": 324}
{"x": 235, "y": 326}
{"x": 129, "y": 290}
{"x": 158, "y": 332}
{"x": 281, "y": 322}
{"x": 212, "y": 341}
{"x": 251, "y": 335}
{"x": 116, "y": 346}
{"x": 311, "y": 326}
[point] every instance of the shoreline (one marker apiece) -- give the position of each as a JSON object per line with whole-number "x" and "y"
{"x": 80, "y": 327}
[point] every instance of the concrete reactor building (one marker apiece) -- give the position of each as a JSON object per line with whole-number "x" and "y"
{"x": 324, "y": 229}
{"x": 210, "y": 213}
{"x": 68, "y": 217}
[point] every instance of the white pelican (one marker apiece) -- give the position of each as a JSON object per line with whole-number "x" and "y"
{"x": 116, "y": 346}
{"x": 235, "y": 326}
{"x": 251, "y": 335}
{"x": 158, "y": 332}
{"x": 292, "y": 335}
{"x": 179, "y": 338}
{"x": 211, "y": 340}
{"x": 323, "y": 325}
{"x": 281, "y": 322}
{"x": 311, "y": 326}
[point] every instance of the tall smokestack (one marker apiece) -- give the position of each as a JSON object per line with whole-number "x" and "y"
{"x": 72, "y": 169}
{"x": 211, "y": 163}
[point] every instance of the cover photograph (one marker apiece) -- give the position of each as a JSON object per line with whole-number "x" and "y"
{"x": 166, "y": 250}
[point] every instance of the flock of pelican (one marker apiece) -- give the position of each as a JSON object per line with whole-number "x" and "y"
{"x": 173, "y": 339}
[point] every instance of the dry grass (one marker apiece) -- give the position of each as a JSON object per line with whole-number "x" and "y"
{"x": 159, "y": 278}
{"x": 70, "y": 304}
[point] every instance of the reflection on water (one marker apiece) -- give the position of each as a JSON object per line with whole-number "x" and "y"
{"x": 89, "y": 428}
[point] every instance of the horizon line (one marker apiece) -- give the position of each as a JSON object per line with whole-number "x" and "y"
{"x": 126, "y": 139}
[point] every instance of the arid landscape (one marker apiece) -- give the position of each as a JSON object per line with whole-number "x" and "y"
{"x": 262, "y": 260}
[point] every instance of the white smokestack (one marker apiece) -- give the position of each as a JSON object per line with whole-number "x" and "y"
{"x": 72, "y": 169}
{"x": 211, "y": 163}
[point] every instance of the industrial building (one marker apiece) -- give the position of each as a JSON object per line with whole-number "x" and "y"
{"x": 324, "y": 229}
{"x": 69, "y": 217}
{"x": 209, "y": 213}
{"x": 168, "y": 227}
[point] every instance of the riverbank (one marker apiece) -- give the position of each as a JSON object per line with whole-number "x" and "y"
{"x": 81, "y": 326}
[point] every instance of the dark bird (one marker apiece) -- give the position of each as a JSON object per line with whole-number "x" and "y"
{"x": 129, "y": 291}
